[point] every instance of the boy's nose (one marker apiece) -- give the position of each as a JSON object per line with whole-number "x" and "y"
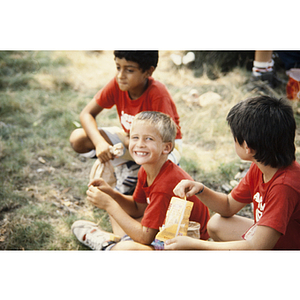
{"x": 140, "y": 143}
{"x": 121, "y": 73}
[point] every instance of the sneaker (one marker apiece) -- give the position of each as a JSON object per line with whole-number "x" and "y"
{"x": 90, "y": 235}
{"x": 270, "y": 78}
{"x": 90, "y": 154}
{"x": 126, "y": 175}
{"x": 264, "y": 84}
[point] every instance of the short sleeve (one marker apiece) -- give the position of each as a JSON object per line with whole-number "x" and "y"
{"x": 280, "y": 206}
{"x": 107, "y": 95}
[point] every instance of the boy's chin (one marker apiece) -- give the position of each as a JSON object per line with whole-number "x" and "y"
{"x": 123, "y": 87}
{"x": 140, "y": 160}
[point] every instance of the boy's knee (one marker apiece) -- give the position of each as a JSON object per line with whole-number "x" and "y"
{"x": 214, "y": 226}
{"x": 76, "y": 139}
{"x": 73, "y": 138}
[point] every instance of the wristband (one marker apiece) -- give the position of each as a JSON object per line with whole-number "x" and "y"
{"x": 200, "y": 191}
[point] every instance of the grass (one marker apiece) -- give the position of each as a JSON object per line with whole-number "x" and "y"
{"x": 43, "y": 181}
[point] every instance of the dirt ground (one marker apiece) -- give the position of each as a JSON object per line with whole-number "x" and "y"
{"x": 57, "y": 186}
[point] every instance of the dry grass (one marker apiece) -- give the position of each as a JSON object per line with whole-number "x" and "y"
{"x": 43, "y": 181}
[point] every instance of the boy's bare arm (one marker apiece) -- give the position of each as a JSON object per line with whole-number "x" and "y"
{"x": 123, "y": 213}
{"x": 132, "y": 227}
{"x": 89, "y": 124}
{"x": 264, "y": 238}
{"x": 127, "y": 203}
{"x": 221, "y": 203}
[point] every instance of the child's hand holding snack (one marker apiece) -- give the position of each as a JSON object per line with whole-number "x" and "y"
{"x": 188, "y": 188}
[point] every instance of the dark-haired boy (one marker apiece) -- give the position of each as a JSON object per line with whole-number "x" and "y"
{"x": 264, "y": 132}
{"x": 132, "y": 90}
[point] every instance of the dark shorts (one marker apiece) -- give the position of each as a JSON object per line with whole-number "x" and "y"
{"x": 290, "y": 59}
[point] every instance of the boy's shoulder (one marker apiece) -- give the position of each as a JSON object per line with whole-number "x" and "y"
{"x": 170, "y": 169}
{"x": 155, "y": 84}
{"x": 156, "y": 90}
{"x": 291, "y": 174}
{"x": 290, "y": 170}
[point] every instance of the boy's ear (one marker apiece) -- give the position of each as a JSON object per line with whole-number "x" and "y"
{"x": 150, "y": 71}
{"x": 168, "y": 148}
{"x": 248, "y": 149}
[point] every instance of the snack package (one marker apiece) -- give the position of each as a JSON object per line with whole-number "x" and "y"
{"x": 106, "y": 170}
{"x": 177, "y": 219}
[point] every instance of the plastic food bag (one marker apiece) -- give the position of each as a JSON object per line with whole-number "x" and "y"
{"x": 106, "y": 170}
{"x": 177, "y": 219}
{"x": 194, "y": 230}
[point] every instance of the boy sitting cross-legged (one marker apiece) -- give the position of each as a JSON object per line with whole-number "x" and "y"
{"x": 264, "y": 133}
{"x": 131, "y": 91}
{"x": 137, "y": 218}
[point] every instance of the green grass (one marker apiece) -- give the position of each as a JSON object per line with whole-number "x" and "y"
{"x": 43, "y": 181}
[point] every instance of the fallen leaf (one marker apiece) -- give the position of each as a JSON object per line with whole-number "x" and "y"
{"x": 41, "y": 160}
{"x": 66, "y": 203}
{"x": 66, "y": 190}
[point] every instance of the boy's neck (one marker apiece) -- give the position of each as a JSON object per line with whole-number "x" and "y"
{"x": 268, "y": 172}
{"x": 152, "y": 170}
{"x": 138, "y": 93}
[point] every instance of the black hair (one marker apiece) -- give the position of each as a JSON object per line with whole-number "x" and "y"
{"x": 145, "y": 59}
{"x": 268, "y": 126}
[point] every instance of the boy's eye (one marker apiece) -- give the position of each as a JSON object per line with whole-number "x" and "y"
{"x": 149, "y": 138}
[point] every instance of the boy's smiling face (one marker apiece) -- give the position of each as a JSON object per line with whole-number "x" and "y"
{"x": 131, "y": 78}
{"x": 146, "y": 145}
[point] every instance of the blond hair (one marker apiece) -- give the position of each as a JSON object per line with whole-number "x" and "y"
{"x": 162, "y": 122}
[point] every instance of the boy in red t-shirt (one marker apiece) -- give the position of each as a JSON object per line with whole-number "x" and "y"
{"x": 132, "y": 90}
{"x": 264, "y": 132}
{"x": 138, "y": 218}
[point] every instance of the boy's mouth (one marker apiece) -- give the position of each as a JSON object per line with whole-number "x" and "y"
{"x": 139, "y": 153}
{"x": 121, "y": 82}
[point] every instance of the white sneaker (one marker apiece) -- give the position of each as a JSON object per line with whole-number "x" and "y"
{"x": 90, "y": 235}
{"x": 90, "y": 154}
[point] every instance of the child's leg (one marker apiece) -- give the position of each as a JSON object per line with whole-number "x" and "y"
{"x": 131, "y": 245}
{"x": 116, "y": 228}
{"x": 263, "y": 56}
{"x": 228, "y": 229}
{"x": 81, "y": 143}
{"x": 126, "y": 244}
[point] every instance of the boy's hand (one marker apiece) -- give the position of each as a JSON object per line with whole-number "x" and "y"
{"x": 101, "y": 184}
{"x": 98, "y": 198}
{"x": 103, "y": 152}
{"x": 187, "y": 188}
{"x": 180, "y": 243}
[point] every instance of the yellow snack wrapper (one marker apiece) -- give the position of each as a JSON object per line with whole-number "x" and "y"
{"x": 177, "y": 219}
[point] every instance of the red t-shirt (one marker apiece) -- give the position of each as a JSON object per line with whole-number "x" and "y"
{"x": 276, "y": 203}
{"x": 155, "y": 98}
{"x": 159, "y": 194}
